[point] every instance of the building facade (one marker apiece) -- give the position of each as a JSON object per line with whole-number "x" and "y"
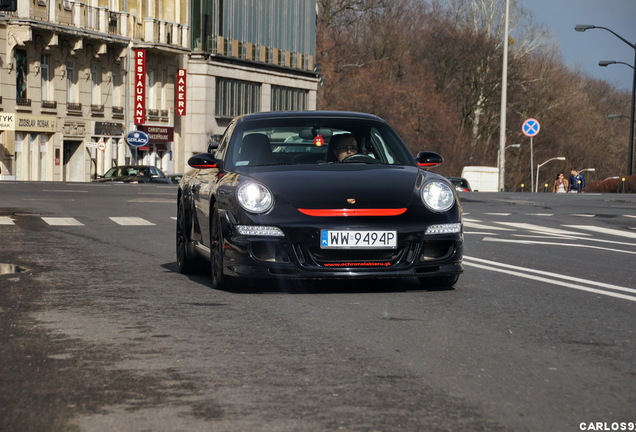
{"x": 247, "y": 56}
{"x": 77, "y": 77}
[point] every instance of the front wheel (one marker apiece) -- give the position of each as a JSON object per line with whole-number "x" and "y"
{"x": 219, "y": 280}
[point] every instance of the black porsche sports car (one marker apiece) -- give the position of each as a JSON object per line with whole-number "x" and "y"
{"x": 317, "y": 195}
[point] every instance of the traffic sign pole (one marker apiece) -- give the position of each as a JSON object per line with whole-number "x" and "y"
{"x": 531, "y": 165}
{"x": 531, "y": 128}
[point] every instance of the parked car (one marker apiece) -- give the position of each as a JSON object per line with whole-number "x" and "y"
{"x": 175, "y": 178}
{"x": 265, "y": 206}
{"x": 461, "y": 184}
{"x": 134, "y": 174}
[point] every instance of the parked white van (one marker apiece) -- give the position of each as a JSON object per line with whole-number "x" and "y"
{"x": 482, "y": 178}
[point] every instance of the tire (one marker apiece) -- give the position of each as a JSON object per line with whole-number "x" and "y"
{"x": 440, "y": 281}
{"x": 218, "y": 279}
{"x": 186, "y": 262}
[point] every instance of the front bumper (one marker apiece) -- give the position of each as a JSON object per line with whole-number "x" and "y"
{"x": 298, "y": 255}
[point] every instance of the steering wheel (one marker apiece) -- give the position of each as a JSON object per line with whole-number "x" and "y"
{"x": 360, "y": 157}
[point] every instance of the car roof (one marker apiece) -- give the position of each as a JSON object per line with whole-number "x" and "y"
{"x": 308, "y": 114}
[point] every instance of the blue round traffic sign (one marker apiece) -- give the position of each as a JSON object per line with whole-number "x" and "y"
{"x": 137, "y": 138}
{"x": 530, "y": 127}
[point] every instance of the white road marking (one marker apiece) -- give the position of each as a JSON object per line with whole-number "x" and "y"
{"x": 6, "y": 220}
{"x": 479, "y": 233}
{"x": 131, "y": 221}
{"x": 579, "y": 245}
{"x": 62, "y": 221}
{"x": 471, "y": 220}
{"x": 553, "y": 278}
{"x": 541, "y": 214}
{"x": 499, "y": 214}
{"x": 542, "y": 229}
{"x": 602, "y": 230}
{"x": 485, "y": 227}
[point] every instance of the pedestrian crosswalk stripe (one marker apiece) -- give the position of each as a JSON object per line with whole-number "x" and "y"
{"x": 541, "y": 229}
{"x": 6, "y": 220}
{"x": 62, "y": 221}
{"x": 137, "y": 221}
{"x": 473, "y": 225}
{"x": 603, "y": 230}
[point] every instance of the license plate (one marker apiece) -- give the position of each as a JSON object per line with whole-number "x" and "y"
{"x": 352, "y": 239}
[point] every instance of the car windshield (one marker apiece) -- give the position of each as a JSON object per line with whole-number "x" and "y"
{"x": 298, "y": 141}
{"x": 126, "y": 171}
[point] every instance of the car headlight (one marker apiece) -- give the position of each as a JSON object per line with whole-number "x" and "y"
{"x": 254, "y": 197}
{"x": 438, "y": 196}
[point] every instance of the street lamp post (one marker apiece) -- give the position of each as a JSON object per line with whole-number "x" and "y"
{"x": 501, "y": 160}
{"x": 536, "y": 188}
{"x": 630, "y": 152}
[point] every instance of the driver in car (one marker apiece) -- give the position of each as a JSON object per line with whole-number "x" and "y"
{"x": 345, "y": 146}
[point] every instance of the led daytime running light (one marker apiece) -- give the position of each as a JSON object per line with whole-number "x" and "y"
{"x": 451, "y": 228}
{"x": 258, "y": 230}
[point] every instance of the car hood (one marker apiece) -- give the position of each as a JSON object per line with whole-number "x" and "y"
{"x": 340, "y": 186}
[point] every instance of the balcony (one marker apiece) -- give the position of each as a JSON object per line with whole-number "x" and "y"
{"x": 49, "y": 104}
{"x": 77, "y": 14}
{"x": 153, "y": 115}
{"x": 73, "y": 108}
{"x": 152, "y": 30}
{"x": 254, "y": 52}
{"x": 23, "y": 102}
{"x": 118, "y": 112}
{"x": 97, "y": 110}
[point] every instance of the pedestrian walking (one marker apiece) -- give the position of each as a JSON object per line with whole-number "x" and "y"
{"x": 561, "y": 185}
{"x": 577, "y": 181}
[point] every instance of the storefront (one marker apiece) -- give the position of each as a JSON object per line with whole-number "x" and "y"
{"x": 26, "y": 145}
{"x": 107, "y": 147}
{"x": 158, "y": 152}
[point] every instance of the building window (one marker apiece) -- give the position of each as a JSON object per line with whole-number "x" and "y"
{"x": 234, "y": 97}
{"x": 72, "y": 95}
{"x": 162, "y": 102}
{"x": 22, "y": 70}
{"x": 288, "y": 99}
{"x": 46, "y": 77}
{"x": 116, "y": 83}
{"x": 151, "y": 90}
{"x": 44, "y": 146}
{"x": 96, "y": 81}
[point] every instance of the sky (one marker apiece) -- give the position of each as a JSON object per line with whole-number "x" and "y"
{"x": 583, "y": 50}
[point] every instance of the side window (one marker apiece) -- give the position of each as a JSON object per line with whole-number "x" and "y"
{"x": 221, "y": 150}
{"x": 380, "y": 147}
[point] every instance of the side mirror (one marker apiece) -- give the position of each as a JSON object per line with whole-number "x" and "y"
{"x": 429, "y": 159}
{"x": 204, "y": 161}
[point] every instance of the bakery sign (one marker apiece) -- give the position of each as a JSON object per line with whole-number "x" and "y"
{"x": 158, "y": 133}
{"x": 180, "y": 109}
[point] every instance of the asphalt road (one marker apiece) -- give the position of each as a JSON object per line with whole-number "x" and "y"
{"x": 100, "y": 333}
